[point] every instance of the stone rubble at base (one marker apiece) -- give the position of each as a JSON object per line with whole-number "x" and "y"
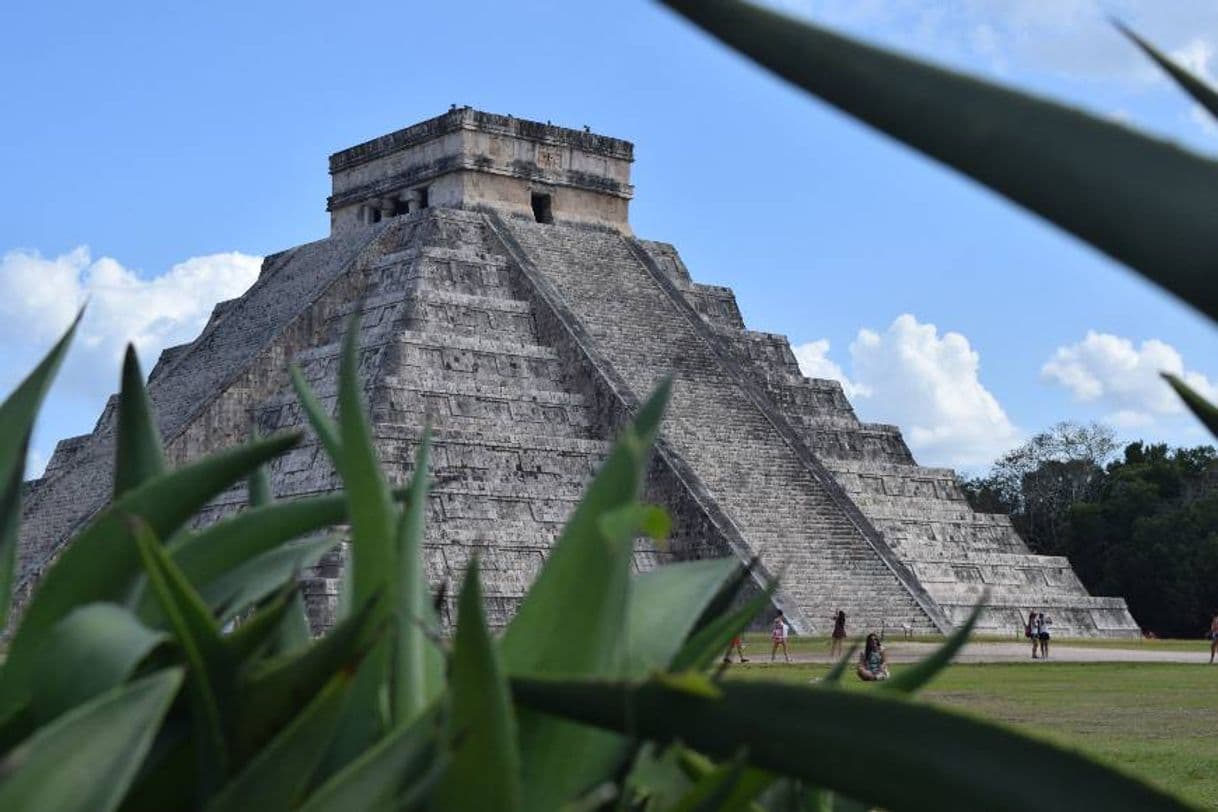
{"x": 503, "y": 298}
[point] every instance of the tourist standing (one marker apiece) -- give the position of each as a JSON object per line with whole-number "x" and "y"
{"x": 1032, "y": 633}
{"x": 1213, "y": 637}
{"x": 839, "y": 634}
{"x": 778, "y": 635}
{"x": 1043, "y": 623}
{"x": 873, "y": 662}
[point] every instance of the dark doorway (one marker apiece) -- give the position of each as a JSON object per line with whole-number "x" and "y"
{"x": 542, "y": 212}
{"x": 422, "y": 197}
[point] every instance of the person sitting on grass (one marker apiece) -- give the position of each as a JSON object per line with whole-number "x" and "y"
{"x": 873, "y": 663}
{"x": 778, "y": 635}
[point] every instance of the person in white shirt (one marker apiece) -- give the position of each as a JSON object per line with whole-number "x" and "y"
{"x": 778, "y": 636}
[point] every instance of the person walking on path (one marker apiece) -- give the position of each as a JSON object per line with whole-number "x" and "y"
{"x": 1032, "y": 633}
{"x": 839, "y": 634}
{"x": 1042, "y": 624}
{"x": 778, "y": 635}
{"x": 1213, "y": 637}
{"x": 736, "y": 645}
{"x": 873, "y": 662}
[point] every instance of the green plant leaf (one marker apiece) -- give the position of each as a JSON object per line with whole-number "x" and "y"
{"x": 1159, "y": 211}
{"x": 1199, "y": 406}
{"x": 834, "y": 675}
{"x": 373, "y": 559}
{"x": 93, "y": 649}
{"x": 138, "y": 453}
{"x": 828, "y": 737}
{"x": 17, "y": 415}
{"x": 485, "y": 770}
{"x": 1202, "y": 93}
{"x": 257, "y": 633}
{"x": 664, "y": 605}
{"x": 275, "y": 780}
{"x": 85, "y": 760}
{"x": 708, "y": 644}
{"x": 258, "y": 483}
{"x": 259, "y": 577}
{"x": 418, "y": 666}
{"x": 295, "y": 632}
{"x": 323, "y": 426}
{"x": 399, "y": 760}
{"x": 908, "y": 680}
{"x": 210, "y": 671}
{"x": 208, "y": 554}
{"x": 273, "y": 692}
{"x": 547, "y": 636}
{"x": 101, "y": 564}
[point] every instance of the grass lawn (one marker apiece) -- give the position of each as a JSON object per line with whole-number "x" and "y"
{"x": 1158, "y": 721}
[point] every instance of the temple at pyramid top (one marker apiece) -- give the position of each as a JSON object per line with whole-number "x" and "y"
{"x": 468, "y": 159}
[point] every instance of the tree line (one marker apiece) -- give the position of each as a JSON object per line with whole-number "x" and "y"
{"x": 1139, "y": 521}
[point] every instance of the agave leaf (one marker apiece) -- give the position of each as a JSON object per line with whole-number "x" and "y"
{"x": 373, "y": 559}
{"x": 707, "y": 644}
{"x": 418, "y": 667}
{"x": 275, "y": 780}
{"x": 294, "y": 632}
{"x": 664, "y": 605}
{"x": 259, "y": 487}
{"x": 547, "y": 636}
{"x": 90, "y": 651}
{"x": 210, "y": 669}
{"x": 257, "y": 578}
{"x": 17, "y": 414}
{"x": 399, "y": 760}
{"x": 273, "y": 692}
{"x": 1202, "y": 93}
{"x": 208, "y": 554}
{"x": 834, "y": 675}
{"x": 909, "y": 680}
{"x": 257, "y": 633}
{"x": 139, "y": 455}
{"x": 323, "y": 426}
{"x": 102, "y": 563}
{"x": 1199, "y": 406}
{"x": 737, "y": 784}
{"x": 85, "y": 760}
{"x": 828, "y": 739}
{"x": 1051, "y": 159}
{"x": 485, "y": 770}
{"x": 373, "y": 553}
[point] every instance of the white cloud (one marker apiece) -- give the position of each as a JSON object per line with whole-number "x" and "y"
{"x": 928, "y": 384}
{"x": 40, "y": 295}
{"x": 814, "y": 362}
{"x": 1110, "y": 371}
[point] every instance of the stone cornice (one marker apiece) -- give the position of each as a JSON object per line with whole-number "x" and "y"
{"x": 467, "y": 118}
{"x": 456, "y": 163}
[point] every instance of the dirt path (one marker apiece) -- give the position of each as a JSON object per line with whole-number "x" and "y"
{"x": 990, "y": 652}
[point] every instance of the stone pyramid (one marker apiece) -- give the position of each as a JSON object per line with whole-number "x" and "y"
{"x": 503, "y": 297}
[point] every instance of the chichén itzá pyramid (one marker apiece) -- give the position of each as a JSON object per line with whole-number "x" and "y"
{"x": 503, "y": 297}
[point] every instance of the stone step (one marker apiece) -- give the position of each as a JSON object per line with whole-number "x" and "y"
{"x": 465, "y": 314}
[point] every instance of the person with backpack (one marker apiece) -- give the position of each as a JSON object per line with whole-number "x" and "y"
{"x": 1042, "y": 634}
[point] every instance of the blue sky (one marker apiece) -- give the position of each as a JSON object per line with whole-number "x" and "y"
{"x": 154, "y": 151}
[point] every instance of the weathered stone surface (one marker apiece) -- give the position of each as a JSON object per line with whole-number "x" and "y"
{"x": 526, "y": 336}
